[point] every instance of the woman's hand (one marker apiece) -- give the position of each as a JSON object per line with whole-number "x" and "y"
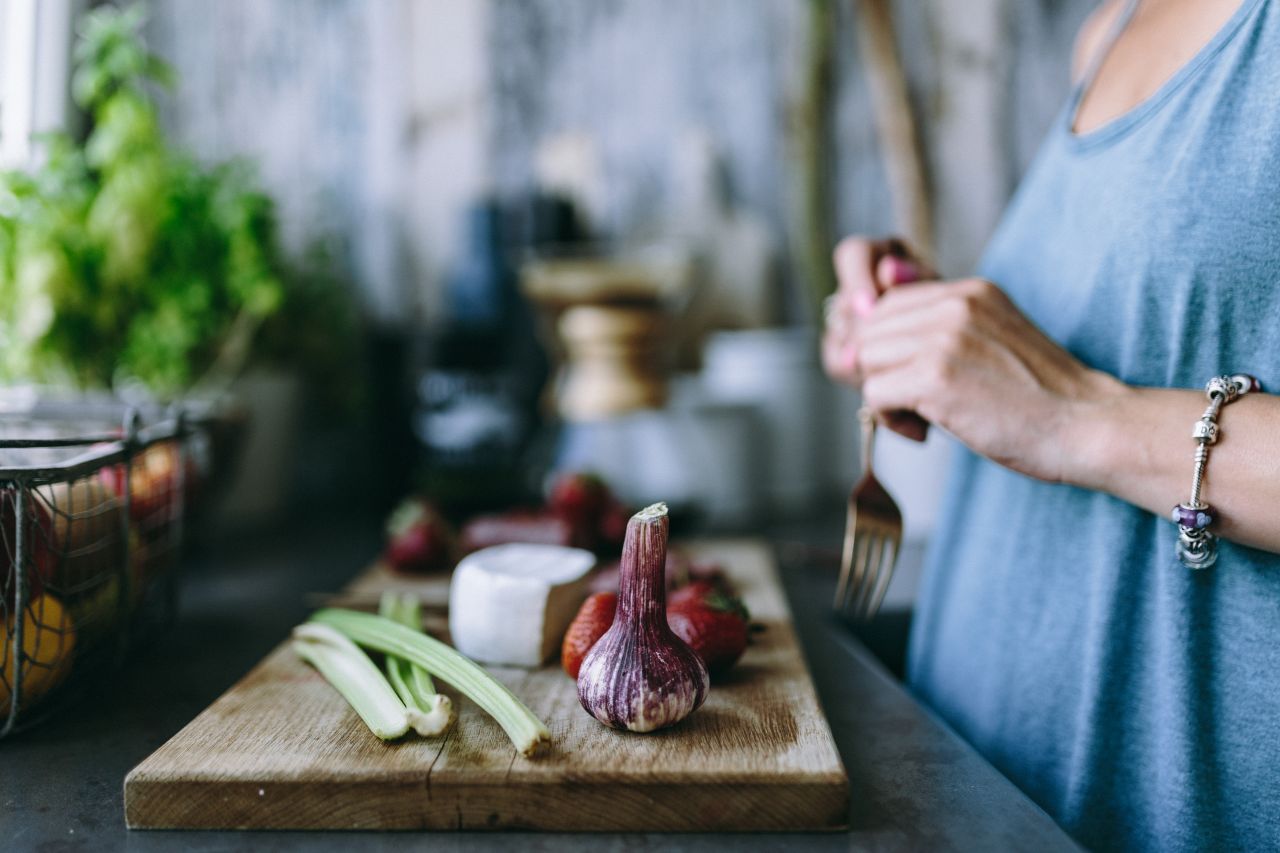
{"x": 865, "y": 270}
{"x": 959, "y": 354}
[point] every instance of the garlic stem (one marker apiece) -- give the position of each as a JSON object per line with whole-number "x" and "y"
{"x": 642, "y": 578}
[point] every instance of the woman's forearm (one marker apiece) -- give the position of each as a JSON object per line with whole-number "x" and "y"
{"x": 962, "y": 356}
{"x": 1135, "y": 443}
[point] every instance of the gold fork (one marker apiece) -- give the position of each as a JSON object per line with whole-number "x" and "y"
{"x": 872, "y": 536}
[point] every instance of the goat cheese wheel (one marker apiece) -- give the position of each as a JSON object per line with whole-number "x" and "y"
{"x": 511, "y": 604}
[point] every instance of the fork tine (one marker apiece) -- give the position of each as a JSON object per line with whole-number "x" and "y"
{"x": 871, "y": 574}
{"x": 872, "y": 538}
{"x": 889, "y": 561}
{"x": 860, "y": 545}
{"x": 846, "y": 560}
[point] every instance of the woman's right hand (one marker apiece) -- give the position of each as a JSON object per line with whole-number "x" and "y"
{"x": 865, "y": 269}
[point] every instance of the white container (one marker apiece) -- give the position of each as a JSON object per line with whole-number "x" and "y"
{"x": 724, "y": 444}
{"x": 845, "y": 438}
{"x": 697, "y": 453}
{"x": 776, "y": 371}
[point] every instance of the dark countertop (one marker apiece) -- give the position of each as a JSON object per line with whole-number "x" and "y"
{"x": 914, "y": 784}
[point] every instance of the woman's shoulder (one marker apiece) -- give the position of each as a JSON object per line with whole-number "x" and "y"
{"x": 1092, "y": 36}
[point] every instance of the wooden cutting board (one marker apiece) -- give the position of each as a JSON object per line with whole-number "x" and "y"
{"x": 282, "y": 750}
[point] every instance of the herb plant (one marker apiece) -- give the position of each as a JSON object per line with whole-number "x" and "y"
{"x": 122, "y": 260}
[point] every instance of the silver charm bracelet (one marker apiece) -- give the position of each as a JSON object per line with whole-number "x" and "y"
{"x": 1197, "y": 547}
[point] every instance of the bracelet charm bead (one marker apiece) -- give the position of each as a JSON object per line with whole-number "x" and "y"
{"x": 1197, "y": 517}
{"x": 1197, "y": 547}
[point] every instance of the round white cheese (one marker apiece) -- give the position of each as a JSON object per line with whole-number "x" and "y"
{"x": 511, "y": 604}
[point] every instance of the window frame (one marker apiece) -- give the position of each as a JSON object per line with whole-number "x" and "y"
{"x": 35, "y": 74}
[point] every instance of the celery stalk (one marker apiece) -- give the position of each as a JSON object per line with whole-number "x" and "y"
{"x": 526, "y": 731}
{"x": 411, "y": 616}
{"x": 349, "y": 670}
{"x": 429, "y": 712}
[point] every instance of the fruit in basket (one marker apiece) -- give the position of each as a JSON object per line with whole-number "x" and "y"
{"x": 96, "y": 611}
{"x": 153, "y": 476}
{"x": 48, "y": 647}
{"x": 37, "y": 532}
{"x": 87, "y": 525}
{"x": 81, "y": 553}
{"x": 419, "y": 540}
{"x": 74, "y": 534}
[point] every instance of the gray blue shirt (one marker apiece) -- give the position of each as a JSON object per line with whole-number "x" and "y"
{"x": 1138, "y": 702}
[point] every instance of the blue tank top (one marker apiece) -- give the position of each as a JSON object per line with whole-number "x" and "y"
{"x": 1136, "y": 701}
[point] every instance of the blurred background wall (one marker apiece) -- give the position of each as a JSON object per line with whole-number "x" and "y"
{"x": 375, "y": 124}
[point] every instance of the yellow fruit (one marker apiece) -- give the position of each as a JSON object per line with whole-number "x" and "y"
{"x": 87, "y": 524}
{"x": 48, "y": 643}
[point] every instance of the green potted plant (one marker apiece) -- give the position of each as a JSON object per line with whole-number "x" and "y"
{"x": 127, "y": 268}
{"x": 124, "y": 262}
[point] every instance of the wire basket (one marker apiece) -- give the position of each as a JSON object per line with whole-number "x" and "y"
{"x": 91, "y": 525}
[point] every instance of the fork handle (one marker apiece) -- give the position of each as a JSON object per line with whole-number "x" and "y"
{"x": 868, "y": 420}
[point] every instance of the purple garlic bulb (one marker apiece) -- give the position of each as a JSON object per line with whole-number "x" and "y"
{"x": 640, "y": 676}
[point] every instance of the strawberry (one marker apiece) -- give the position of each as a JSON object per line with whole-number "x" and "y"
{"x": 593, "y": 619}
{"x": 418, "y": 539}
{"x": 691, "y": 593}
{"x": 712, "y": 590}
{"x": 578, "y": 496}
{"x": 581, "y": 499}
{"x": 713, "y": 623}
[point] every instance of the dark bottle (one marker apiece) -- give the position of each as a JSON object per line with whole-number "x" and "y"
{"x": 477, "y": 393}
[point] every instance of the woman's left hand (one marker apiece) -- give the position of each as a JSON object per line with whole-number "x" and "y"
{"x": 962, "y": 356}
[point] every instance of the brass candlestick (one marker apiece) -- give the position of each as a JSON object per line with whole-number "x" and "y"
{"x": 611, "y": 314}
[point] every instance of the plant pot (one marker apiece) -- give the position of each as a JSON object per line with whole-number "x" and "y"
{"x": 261, "y": 480}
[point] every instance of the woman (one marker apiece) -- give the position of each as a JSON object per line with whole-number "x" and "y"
{"x": 1137, "y": 700}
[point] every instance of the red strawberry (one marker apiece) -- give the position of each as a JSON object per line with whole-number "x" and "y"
{"x": 578, "y": 495}
{"x": 593, "y": 619}
{"x": 692, "y": 593}
{"x": 580, "y": 499}
{"x": 712, "y": 623}
{"x": 418, "y": 539}
{"x": 713, "y": 590}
